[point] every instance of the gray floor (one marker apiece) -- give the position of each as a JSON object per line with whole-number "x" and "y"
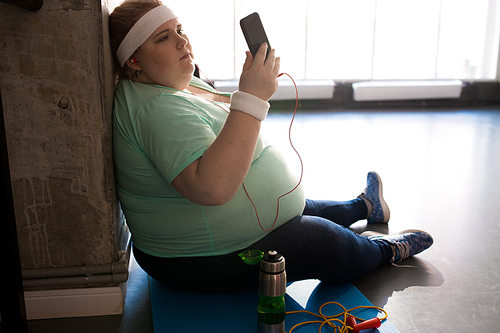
{"x": 441, "y": 173}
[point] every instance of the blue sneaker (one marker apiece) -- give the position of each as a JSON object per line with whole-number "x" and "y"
{"x": 380, "y": 212}
{"x": 404, "y": 244}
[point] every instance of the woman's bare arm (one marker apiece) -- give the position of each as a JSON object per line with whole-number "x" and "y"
{"x": 214, "y": 178}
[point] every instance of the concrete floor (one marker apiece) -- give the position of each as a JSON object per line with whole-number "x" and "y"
{"x": 441, "y": 173}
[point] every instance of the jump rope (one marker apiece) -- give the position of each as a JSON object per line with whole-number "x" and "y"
{"x": 348, "y": 322}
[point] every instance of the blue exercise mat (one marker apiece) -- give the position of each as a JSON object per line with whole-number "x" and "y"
{"x": 180, "y": 311}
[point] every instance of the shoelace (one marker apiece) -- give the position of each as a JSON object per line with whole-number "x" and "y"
{"x": 403, "y": 248}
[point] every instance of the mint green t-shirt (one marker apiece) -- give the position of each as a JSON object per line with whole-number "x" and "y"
{"x": 157, "y": 132}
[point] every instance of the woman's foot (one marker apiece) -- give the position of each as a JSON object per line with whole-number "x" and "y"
{"x": 378, "y": 211}
{"x": 404, "y": 244}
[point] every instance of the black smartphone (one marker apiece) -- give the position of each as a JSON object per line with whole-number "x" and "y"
{"x": 254, "y": 33}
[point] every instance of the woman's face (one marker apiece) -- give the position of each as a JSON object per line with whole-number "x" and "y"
{"x": 166, "y": 56}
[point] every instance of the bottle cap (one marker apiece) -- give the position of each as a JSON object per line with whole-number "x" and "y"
{"x": 251, "y": 257}
{"x": 272, "y": 262}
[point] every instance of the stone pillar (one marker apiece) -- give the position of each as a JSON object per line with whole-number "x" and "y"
{"x": 56, "y": 80}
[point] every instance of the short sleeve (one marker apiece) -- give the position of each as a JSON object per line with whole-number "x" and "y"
{"x": 174, "y": 132}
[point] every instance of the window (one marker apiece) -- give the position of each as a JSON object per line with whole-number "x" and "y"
{"x": 352, "y": 40}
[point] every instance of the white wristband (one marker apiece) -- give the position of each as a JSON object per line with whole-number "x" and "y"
{"x": 249, "y": 104}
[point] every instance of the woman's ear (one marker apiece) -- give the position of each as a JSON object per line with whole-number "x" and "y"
{"x": 132, "y": 64}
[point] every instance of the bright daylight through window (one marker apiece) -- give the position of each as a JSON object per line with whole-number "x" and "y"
{"x": 352, "y": 40}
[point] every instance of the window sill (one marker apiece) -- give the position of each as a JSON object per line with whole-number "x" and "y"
{"x": 307, "y": 89}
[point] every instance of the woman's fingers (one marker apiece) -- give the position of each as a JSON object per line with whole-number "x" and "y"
{"x": 260, "y": 75}
{"x": 277, "y": 64}
{"x": 260, "y": 56}
{"x": 248, "y": 61}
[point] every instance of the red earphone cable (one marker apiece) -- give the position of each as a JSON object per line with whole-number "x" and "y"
{"x": 300, "y": 159}
{"x": 213, "y": 85}
{"x": 291, "y": 144}
{"x": 289, "y": 138}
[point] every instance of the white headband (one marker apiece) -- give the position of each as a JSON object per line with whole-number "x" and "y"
{"x": 141, "y": 31}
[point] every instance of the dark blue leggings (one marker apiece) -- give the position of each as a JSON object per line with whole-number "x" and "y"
{"x": 316, "y": 245}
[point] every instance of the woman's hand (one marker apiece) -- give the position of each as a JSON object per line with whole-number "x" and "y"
{"x": 215, "y": 178}
{"x": 260, "y": 75}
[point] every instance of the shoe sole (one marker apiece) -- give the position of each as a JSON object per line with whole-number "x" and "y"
{"x": 386, "y": 212}
{"x": 416, "y": 249}
{"x": 374, "y": 233}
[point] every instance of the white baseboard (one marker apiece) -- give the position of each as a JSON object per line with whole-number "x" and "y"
{"x": 67, "y": 303}
{"x": 406, "y": 90}
{"x": 307, "y": 89}
{"x": 70, "y": 303}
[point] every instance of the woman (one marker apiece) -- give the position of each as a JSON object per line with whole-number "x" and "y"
{"x": 186, "y": 157}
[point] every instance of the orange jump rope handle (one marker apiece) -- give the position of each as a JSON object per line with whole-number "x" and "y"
{"x": 364, "y": 325}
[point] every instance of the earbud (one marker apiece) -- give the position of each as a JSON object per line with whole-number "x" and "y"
{"x": 133, "y": 60}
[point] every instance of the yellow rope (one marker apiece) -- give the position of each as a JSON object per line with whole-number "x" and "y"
{"x": 331, "y": 320}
